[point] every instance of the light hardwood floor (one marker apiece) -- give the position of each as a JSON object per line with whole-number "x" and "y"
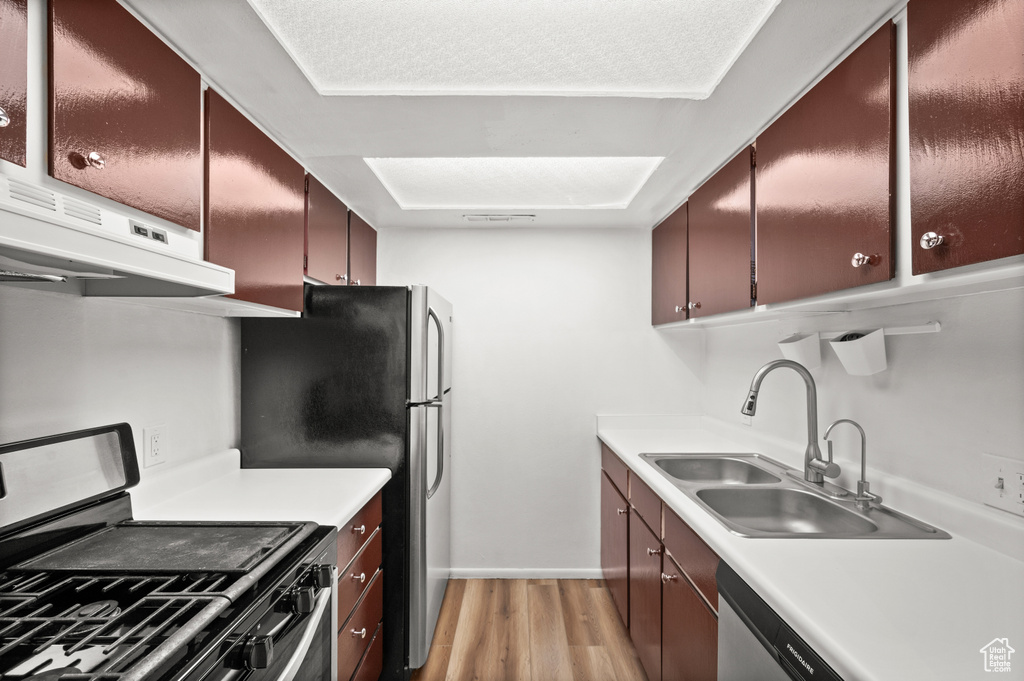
{"x": 530, "y": 630}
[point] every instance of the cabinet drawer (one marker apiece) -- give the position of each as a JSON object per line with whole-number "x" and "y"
{"x": 355, "y": 532}
{"x": 695, "y": 558}
{"x": 615, "y": 469}
{"x": 646, "y": 503}
{"x": 372, "y": 663}
{"x": 363, "y": 623}
{"x": 353, "y": 581}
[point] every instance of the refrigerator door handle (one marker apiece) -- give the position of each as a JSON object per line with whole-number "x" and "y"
{"x": 438, "y": 401}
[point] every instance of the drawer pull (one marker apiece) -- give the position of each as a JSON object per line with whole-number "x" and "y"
{"x": 361, "y": 633}
{"x": 665, "y": 579}
{"x": 361, "y": 577}
{"x": 359, "y": 530}
{"x": 94, "y": 160}
{"x": 653, "y": 552}
{"x": 622, "y": 511}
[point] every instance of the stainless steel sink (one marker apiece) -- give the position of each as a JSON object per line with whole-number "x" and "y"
{"x": 782, "y": 510}
{"x": 717, "y": 470}
{"x": 754, "y": 496}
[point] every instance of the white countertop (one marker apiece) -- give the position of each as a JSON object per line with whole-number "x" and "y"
{"x": 217, "y": 488}
{"x": 873, "y": 609}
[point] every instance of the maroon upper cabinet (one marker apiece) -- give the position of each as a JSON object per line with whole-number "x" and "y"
{"x": 668, "y": 269}
{"x": 125, "y": 117}
{"x": 966, "y": 83}
{"x": 720, "y": 239}
{"x": 362, "y": 252}
{"x": 255, "y": 205}
{"x": 13, "y": 79}
{"x": 825, "y": 180}
{"x": 326, "y": 234}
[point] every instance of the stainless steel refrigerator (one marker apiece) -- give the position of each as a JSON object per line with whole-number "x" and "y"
{"x": 363, "y": 379}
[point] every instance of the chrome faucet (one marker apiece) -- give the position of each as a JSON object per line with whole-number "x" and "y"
{"x": 864, "y": 497}
{"x": 816, "y": 469}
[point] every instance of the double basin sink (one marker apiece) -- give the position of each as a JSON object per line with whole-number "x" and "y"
{"x": 754, "y": 496}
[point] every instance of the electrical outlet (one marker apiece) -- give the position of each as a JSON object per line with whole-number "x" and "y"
{"x": 155, "y": 445}
{"x": 1004, "y": 484}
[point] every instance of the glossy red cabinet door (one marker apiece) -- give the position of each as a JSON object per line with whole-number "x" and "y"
{"x": 615, "y": 545}
{"x": 362, "y": 252}
{"x": 966, "y": 81}
{"x": 125, "y": 117}
{"x": 668, "y": 268}
{"x": 326, "y": 234}
{"x": 255, "y": 205}
{"x": 690, "y": 631}
{"x": 720, "y": 239}
{"x": 825, "y": 180}
{"x": 13, "y": 79}
{"x": 645, "y": 595}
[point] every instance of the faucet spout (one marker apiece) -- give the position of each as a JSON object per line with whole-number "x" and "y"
{"x": 815, "y": 469}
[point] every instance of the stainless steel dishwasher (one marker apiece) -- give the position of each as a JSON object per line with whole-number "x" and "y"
{"x": 754, "y": 644}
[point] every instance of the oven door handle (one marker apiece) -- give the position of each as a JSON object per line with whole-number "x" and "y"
{"x": 292, "y": 668}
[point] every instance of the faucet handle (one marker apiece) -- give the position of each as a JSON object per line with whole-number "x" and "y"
{"x": 829, "y": 468}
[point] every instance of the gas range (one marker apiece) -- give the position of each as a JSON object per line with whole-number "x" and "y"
{"x": 87, "y": 594}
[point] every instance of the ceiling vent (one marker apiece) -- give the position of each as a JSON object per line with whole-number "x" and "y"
{"x": 499, "y": 218}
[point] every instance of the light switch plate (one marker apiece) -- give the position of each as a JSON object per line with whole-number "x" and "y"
{"x": 1004, "y": 484}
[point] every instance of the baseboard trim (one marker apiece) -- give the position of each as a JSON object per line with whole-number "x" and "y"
{"x": 526, "y": 573}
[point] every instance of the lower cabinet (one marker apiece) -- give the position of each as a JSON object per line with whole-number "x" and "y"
{"x": 689, "y": 630}
{"x": 361, "y": 595}
{"x": 615, "y": 545}
{"x": 669, "y": 600}
{"x": 645, "y": 595}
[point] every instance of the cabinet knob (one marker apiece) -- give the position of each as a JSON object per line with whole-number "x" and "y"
{"x": 360, "y": 634}
{"x": 665, "y": 579}
{"x": 680, "y": 309}
{"x": 355, "y": 283}
{"x": 5, "y": 120}
{"x": 693, "y": 306}
{"x": 859, "y": 260}
{"x": 361, "y": 577}
{"x": 622, "y": 511}
{"x": 653, "y": 552}
{"x": 361, "y": 529}
{"x": 930, "y": 240}
{"x": 95, "y": 160}
{"x": 341, "y": 277}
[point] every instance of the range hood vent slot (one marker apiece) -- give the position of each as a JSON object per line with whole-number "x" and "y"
{"x": 82, "y": 211}
{"x": 37, "y": 196}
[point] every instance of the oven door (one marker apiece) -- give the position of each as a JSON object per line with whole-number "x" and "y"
{"x": 284, "y": 645}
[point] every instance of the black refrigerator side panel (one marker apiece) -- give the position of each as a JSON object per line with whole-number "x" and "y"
{"x": 329, "y": 390}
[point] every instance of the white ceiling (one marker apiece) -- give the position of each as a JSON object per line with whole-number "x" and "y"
{"x": 331, "y": 135}
{"x": 663, "y": 48}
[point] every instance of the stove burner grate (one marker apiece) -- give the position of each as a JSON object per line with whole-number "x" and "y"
{"x": 98, "y": 627}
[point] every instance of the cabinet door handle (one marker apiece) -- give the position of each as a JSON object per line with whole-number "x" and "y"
{"x": 653, "y": 552}
{"x": 665, "y": 579}
{"x": 355, "y": 283}
{"x": 930, "y": 240}
{"x": 693, "y": 306}
{"x": 680, "y": 309}
{"x": 859, "y": 260}
{"x": 5, "y": 120}
{"x": 622, "y": 511}
{"x": 361, "y": 633}
{"x": 359, "y": 530}
{"x": 361, "y": 577}
{"x": 341, "y": 277}
{"x": 95, "y": 160}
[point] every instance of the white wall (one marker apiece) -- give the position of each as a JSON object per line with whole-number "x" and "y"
{"x": 551, "y": 328}
{"x": 68, "y": 362}
{"x": 945, "y": 399}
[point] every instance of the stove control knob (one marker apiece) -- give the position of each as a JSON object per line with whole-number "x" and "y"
{"x": 300, "y": 601}
{"x": 323, "y": 576}
{"x": 258, "y": 652}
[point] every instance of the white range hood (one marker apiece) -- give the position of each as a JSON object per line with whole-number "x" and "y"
{"x": 93, "y": 251}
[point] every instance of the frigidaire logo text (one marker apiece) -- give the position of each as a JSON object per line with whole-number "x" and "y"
{"x": 799, "y": 659}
